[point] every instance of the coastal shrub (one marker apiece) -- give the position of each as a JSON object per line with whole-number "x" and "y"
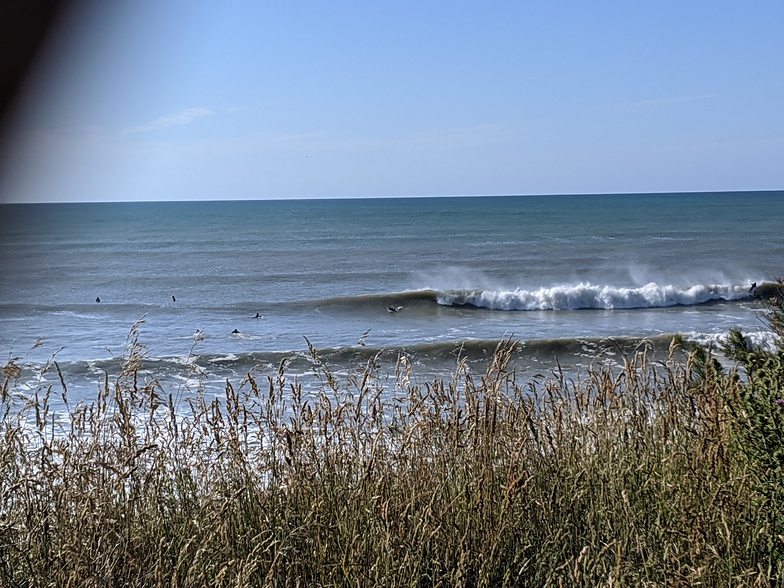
{"x": 756, "y": 406}
{"x": 633, "y": 476}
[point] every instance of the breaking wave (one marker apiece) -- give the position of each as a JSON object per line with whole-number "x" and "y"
{"x": 590, "y": 296}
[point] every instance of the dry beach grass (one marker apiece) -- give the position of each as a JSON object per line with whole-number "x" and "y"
{"x": 665, "y": 474}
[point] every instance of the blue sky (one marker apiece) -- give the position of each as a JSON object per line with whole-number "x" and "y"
{"x": 196, "y": 99}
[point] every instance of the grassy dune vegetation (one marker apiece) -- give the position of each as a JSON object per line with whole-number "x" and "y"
{"x": 666, "y": 474}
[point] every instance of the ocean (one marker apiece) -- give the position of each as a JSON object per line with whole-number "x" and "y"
{"x": 225, "y": 288}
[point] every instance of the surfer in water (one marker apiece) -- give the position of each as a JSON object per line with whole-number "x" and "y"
{"x": 394, "y": 308}
{"x": 97, "y": 299}
{"x": 257, "y": 315}
{"x": 771, "y": 291}
{"x": 235, "y": 332}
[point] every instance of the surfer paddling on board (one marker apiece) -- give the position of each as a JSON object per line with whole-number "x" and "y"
{"x": 394, "y": 308}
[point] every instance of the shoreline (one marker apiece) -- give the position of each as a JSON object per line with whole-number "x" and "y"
{"x": 195, "y": 373}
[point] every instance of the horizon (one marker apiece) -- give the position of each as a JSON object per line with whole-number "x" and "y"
{"x": 697, "y": 193}
{"x": 186, "y": 101}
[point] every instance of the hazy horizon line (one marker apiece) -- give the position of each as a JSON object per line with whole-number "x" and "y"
{"x": 408, "y": 197}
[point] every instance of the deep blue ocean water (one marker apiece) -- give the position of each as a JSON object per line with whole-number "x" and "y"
{"x": 417, "y": 276}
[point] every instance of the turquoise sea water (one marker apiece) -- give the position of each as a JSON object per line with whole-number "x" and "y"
{"x": 415, "y": 276}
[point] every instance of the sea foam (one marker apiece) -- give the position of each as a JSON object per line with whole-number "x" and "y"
{"x": 590, "y": 296}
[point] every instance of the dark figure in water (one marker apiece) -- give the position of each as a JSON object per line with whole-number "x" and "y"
{"x": 97, "y": 299}
{"x": 174, "y": 299}
{"x": 235, "y": 332}
{"x": 257, "y": 315}
{"x": 392, "y": 309}
{"x": 768, "y": 290}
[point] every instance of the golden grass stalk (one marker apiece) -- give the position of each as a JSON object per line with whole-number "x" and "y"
{"x": 618, "y": 478}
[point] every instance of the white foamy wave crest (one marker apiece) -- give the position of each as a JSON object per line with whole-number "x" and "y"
{"x": 756, "y": 340}
{"x": 589, "y": 296}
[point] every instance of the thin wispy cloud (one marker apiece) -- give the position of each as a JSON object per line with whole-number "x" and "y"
{"x": 180, "y": 118}
{"x": 675, "y": 100}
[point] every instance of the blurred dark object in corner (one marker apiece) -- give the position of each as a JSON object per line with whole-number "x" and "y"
{"x": 24, "y": 27}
